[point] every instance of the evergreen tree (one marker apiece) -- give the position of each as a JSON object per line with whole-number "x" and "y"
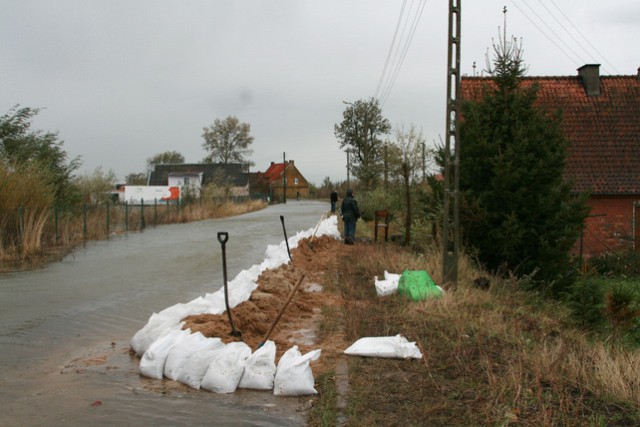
{"x": 519, "y": 212}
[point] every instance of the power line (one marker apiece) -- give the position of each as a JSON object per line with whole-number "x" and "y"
{"x": 555, "y": 39}
{"x": 393, "y": 42}
{"x": 576, "y": 55}
{"x": 399, "y": 48}
{"x": 584, "y": 38}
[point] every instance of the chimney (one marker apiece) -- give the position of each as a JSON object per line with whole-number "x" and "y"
{"x": 590, "y": 75}
{"x": 638, "y": 73}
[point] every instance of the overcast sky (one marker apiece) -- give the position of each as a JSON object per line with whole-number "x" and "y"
{"x": 121, "y": 81}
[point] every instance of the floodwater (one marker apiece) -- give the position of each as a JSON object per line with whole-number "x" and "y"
{"x": 65, "y": 329}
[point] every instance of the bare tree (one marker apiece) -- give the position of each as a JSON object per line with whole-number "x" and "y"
{"x": 227, "y": 141}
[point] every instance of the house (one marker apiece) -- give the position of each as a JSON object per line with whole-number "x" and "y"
{"x": 601, "y": 119}
{"x": 194, "y": 177}
{"x": 271, "y": 182}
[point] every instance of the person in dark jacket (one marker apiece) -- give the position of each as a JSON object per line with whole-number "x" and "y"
{"x": 350, "y": 214}
{"x": 334, "y": 201}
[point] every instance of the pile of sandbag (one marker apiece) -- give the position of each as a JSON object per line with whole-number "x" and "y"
{"x": 165, "y": 349}
{"x": 208, "y": 363}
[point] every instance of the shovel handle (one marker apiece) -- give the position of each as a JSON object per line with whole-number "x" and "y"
{"x": 223, "y": 236}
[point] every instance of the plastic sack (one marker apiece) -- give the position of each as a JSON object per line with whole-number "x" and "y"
{"x": 197, "y": 364}
{"x": 388, "y": 286}
{"x": 418, "y": 285}
{"x": 226, "y": 369}
{"x": 260, "y": 368}
{"x": 181, "y": 352}
{"x": 397, "y": 347}
{"x": 293, "y": 374}
{"x": 153, "y": 360}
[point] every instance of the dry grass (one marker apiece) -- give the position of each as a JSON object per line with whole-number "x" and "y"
{"x": 491, "y": 357}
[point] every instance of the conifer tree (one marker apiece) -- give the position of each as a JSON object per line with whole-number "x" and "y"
{"x": 520, "y": 215}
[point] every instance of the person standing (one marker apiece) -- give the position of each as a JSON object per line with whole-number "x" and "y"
{"x": 350, "y": 214}
{"x": 334, "y": 201}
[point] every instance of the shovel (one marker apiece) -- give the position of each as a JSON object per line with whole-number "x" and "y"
{"x": 223, "y": 236}
{"x": 310, "y": 242}
{"x": 282, "y": 309}
{"x": 285, "y": 237}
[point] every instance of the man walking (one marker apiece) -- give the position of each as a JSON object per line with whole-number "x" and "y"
{"x": 334, "y": 201}
{"x": 350, "y": 214}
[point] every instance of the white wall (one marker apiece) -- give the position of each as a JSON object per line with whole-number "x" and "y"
{"x": 133, "y": 194}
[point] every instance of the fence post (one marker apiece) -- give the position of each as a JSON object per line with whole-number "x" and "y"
{"x": 126, "y": 217}
{"x": 107, "y": 220}
{"x": 84, "y": 220}
{"x": 155, "y": 211}
{"x": 55, "y": 223}
{"x": 141, "y": 213}
{"x": 21, "y": 225}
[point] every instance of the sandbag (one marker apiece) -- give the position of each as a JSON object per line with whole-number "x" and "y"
{"x": 226, "y": 369}
{"x": 397, "y": 347}
{"x": 152, "y": 362}
{"x": 293, "y": 374}
{"x": 197, "y": 364}
{"x": 418, "y": 285}
{"x": 180, "y": 352}
{"x": 260, "y": 368}
{"x": 388, "y": 286}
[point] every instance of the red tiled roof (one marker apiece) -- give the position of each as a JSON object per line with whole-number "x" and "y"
{"x": 604, "y": 130}
{"x": 275, "y": 171}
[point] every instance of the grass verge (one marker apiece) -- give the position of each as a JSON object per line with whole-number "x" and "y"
{"x": 490, "y": 357}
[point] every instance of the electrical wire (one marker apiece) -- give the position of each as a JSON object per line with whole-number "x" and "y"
{"x": 584, "y": 38}
{"x": 556, "y": 40}
{"x": 575, "y": 54}
{"x": 399, "y": 48}
{"x": 393, "y": 42}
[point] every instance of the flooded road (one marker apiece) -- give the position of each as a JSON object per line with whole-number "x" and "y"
{"x": 65, "y": 329}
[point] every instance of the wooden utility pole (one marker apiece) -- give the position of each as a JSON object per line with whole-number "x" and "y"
{"x": 451, "y": 225}
{"x": 284, "y": 178}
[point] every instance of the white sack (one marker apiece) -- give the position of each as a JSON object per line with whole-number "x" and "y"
{"x": 293, "y": 374}
{"x": 392, "y": 276}
{"x": 152, "y": 362}
{"x": 397, "y": 347}
{"x": 260, "y": 368}
{"x": 180, "y": 353}
{"x": 226, "y": 369}
{"x": 388, "y": 286}
{"x": 196, "y": 365}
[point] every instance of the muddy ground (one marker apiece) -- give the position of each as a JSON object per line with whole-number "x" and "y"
{"x": 315, "y": 263}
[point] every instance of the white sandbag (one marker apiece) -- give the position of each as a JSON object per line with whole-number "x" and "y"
{"x": 293, "y": 374}
{"x": 197, "y": 364}
{"x": 388, "y": 286}
{"x": 226, "y": 369}
{"x": 152, "y": 362}
{"x": 180, "y": 353}
{"x": 392, "y": 276}
{"x": 260, "y": 368}
{"x": 158, "y": 323}
{"x": 397, "y": 347}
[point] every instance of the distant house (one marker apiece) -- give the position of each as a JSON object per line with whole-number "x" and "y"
{"x": 271, "y": 182}
{"x": 601, "y": 119}
{"x": 194, "y": 177}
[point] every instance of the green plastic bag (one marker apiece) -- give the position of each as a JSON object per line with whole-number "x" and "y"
{"x": 417, "y": 285}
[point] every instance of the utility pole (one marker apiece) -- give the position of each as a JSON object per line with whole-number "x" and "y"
{"x": 284, "y": 178}
{"x": 348, "y": 166}
{"x": 451, "y": 225}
